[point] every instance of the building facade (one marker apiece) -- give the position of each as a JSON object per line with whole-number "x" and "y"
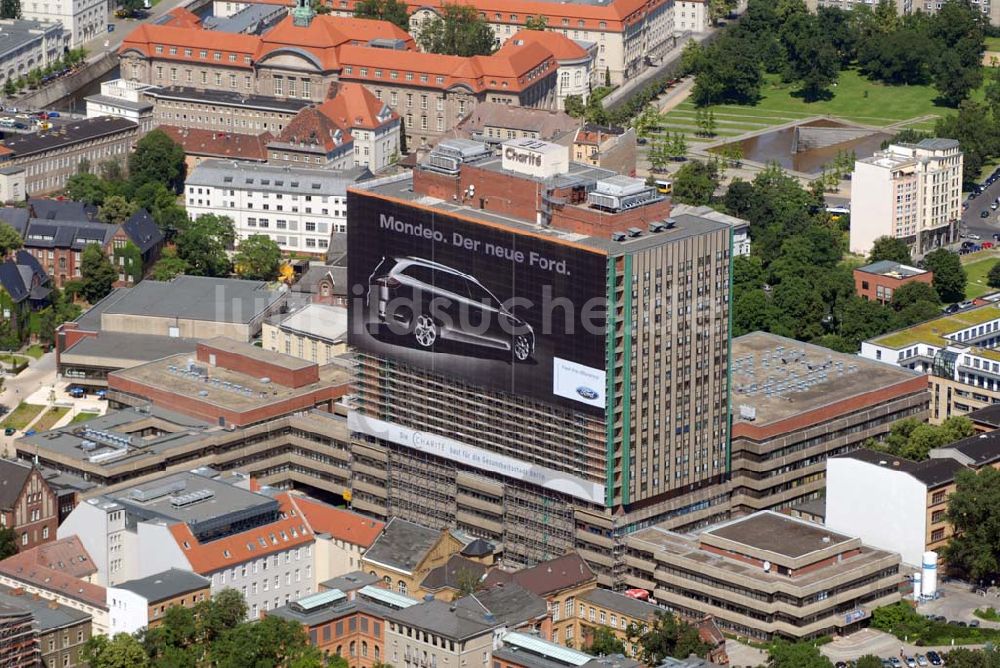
{"x": 143, "y": 603}
{"x": 796, "y": 404}
{"x": 911, "y": 192}
{"x": 27, "y": 505}
{"x": 29, "y": 45}
{"x": 880, "y": 280}
{"x": 299, "y": 208}
{"x": 317, "y": 332}
{"x": 82, "y": 20}
{"x": 50, "y": 158}
{"x": 123, "y": 99}
{"x": 634, "y": 449}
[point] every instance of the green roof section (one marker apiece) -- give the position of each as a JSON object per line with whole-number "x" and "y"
{"x": 933, "y": 332}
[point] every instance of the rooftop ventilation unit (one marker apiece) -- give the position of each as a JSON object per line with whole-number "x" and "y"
{"x": 634, "y": 232}
{"x": 618, "y": 236}
{"x": 153, "y": 493}
{"x": 197, "y": 496}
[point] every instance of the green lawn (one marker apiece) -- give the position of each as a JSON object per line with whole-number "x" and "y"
{"x": 993, "y": 43}
{"x": 35, "y": 350}
{"x": 22, "y": 416}
{"x": 83, "y": 416}
{"x": 854, "y": 99}
{"x": 49, "y": 419}
{"x": 14, "y": 360}
{"x": 976, "y": 272}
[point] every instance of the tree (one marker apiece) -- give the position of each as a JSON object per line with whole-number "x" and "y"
{"x": 271, "y": 642}
{"x": 890, "y": 248}
{"x": 393, "y": 11}
{"x": 974, "y": 549}
{"x": 911, "y": 439}
{"x": 116, "y": 210}
{"x": 169, "y": 266}
{"x": 784, "y": 654}
{"x": 670, "y": 636}
{"x": 10, "y": 9}
{"x": 695, "y": 183}
{"x": 573, "y": 105}
{"x": 8, "y": 542}
{"x": 202, "y": 244}
{"x": 977, "y": 139}
{"x": 604, "y": 642}
{"x": 691, "y": 58}
{"x": 9, "y": 89}
{"x": 914, "y": 293}
{"x": 869, "y": 661}
{"x": 459, "y": 31}
{"x": 10, "y": 240}
{"x": 258, "y": 257}
{"x": 993, "y": 278}
{"x": 98, "y": 273}
{"x": 720, "y": 9}
{"x": 159, "y": 159}
{"x": 536, "y": 23}
{"x": 86, "y": 187}
{"x": 949, "y": 275}
{"x": 957, "y": 33}
{"x": 122, "y": 651}
{"x": 810, "y": 57}
{"x": 729, "y": 72}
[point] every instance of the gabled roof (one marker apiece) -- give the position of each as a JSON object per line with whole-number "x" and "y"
{"x": 562, "y": 47}
{"x": 12, "y": 282}
{"x": 569, "y": 570}
{"x": 166, "y": 585}
{"x": 58, "y": 567}
{"x": 13, "y": 474}
{"x": 15, "y": 216}
{"x": 341, "y": 524}
{"x": 313, "y": 128}
{"x": 509, "y": 603}
{"x": 206, "y": 558}
{"x": 147, "y": 37}
{"x": 61, "y": 209}
{"x": 453, "y": 573}
{"x": 179, "y": 17}
{"x": 402, "y": 545}
{"x": 354, "y": 106}
{"x": 73, "y": 234}
{"x": 142, "y": 230}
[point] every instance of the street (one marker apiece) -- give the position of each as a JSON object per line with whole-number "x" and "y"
{"x": 112, "y": 40}
{"x": 973, "y": 223}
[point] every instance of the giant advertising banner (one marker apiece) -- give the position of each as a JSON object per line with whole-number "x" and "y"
{"x": 491, "y": 306}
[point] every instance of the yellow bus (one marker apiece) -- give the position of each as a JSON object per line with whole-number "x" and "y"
{"x": 664, "y": 186}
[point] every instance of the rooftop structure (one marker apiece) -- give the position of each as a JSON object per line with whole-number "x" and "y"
{"x": 16, "y": 147}
{"x": 231, "y": 383}
{"x": 200, "y": 144}
{"x": 268, "y": 178}
{"x": 569, "y": 570}
{"x": 48, "y": 615}
{"x": 741, "y": 228}
{"x": 787, "y": 393}
{"x": 892, "y": 269}
{"x": 402, "y": 545}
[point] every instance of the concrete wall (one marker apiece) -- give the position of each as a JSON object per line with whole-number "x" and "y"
{"x": 129, "y": 612}
{"x": 871, "y": 207}
{"x": 65, "y": 86}
{"x": 882, "y": 506}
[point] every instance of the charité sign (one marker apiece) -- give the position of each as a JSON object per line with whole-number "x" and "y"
{"x": 535, "y": 158}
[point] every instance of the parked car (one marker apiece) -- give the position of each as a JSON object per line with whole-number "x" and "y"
{"x": 30, "y": 432}
{"x": 76, "y": 392}
{"x": 934, "y": 658}
{"x": 984, "y": 214}
{"x": 922, "y": 660}
{"x": 911, "y": 662}
{"x": 974, "y": 623}
{"x": 987, "y": 244}
{"x": 974, "y": 236}
{"x": 9, "y": 431}
{"x": 53, "y": 114}
{"x": 415, "y": 283}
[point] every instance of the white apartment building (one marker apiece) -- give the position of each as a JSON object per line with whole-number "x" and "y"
{"x": 134, "y": 604}
{"x": 909, "y": 191}
{"x": 199, "y": 522}
{"x": 27, "y": 45}
{"x": 83, "y": 20}
{"x": 124, "y": 99}
{"x": 299, "y": 208}
{"x": 691, "y": 15}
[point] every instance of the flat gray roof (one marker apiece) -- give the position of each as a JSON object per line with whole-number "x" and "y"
{"x": 165, "y": 585}
{"x": 119, "y": 102}
{"x": 16, "y": 34}
{"x": 400, "y": 187}
{"x": 125, "y": 346}
{"x": 262, "y": 177}
{"x": 162, "y": 493}
{"x": 620, "y": 603}
{"x": 779, "y": 534}
{"x": 779, "y": 377}
{"x": 48, "y": 614}
{"x": 196, "y": 298}
{"x": 173, "y": 430}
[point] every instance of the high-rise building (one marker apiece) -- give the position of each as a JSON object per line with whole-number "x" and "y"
{"x": 911, "y": 192}
{"x": 543, "y": 352}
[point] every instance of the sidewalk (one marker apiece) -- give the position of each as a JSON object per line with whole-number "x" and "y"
{"x": 650, "y": 73}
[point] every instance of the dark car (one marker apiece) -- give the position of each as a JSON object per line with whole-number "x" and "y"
{"x": 934, "y": 658}
{"x": 9, "y": 431}
{"x": 984, "y": 214}
{"x": 409, "y": 292}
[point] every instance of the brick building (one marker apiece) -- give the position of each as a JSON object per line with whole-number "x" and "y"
{"x": 143, "y": 602}
{"x": 27, "y": 504}
{"x": 58, "y": 632}
{"x": 880, "y": 280}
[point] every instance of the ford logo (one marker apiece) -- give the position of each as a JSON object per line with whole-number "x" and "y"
{"x": 586, "y": 392}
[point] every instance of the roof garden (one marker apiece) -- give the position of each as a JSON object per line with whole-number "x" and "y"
{"x": 933, "y": 332}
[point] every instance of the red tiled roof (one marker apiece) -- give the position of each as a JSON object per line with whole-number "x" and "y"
{"x": 569, "y": 570}
{"x": 505, "y": 70}
{"x": 229, "y": 49}
{"x": 326, "y": 34}
{"x": 57, "y": 567}
{"x": 212, "y": 143}
{"x": 206, "y": 558}
{"x": 613, "y": 14}
{"x": 342, "y": 524}
{"x": 561, "y": 46}
{"x": 310, "y": 127}
{"x": 354, "y": 106}
{"x": 181, "y": 17}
